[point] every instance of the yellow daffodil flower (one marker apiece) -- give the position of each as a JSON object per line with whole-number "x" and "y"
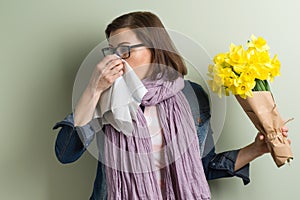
{"x": 259, "y": 43}
{"x": 264, "y": 57}
{"x": 238, "y": 70}
{"x": 237, "y": 56}
{"x": 219, "y": 59}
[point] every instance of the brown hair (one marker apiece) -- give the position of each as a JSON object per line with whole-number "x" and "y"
{"x": 150, "y": 30}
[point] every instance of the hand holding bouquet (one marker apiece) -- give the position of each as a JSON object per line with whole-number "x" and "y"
{"x": 245, "y": 73}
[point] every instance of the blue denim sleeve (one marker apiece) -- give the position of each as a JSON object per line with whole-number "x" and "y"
{"x": 221, "y": 165}
{"x": 71, "y": 142}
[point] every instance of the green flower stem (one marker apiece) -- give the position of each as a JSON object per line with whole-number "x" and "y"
{"x": 261, "y": 85}
{"x": 267, "y": 85}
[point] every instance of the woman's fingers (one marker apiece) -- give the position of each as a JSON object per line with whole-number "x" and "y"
{"x": 284, "y": 129}
{"x": 117, "y": 74}
{"x": 113, "y": 65}
{"x": 108, "y": 63}
{"x": 261, "y": 137}
{"x": 117, "y": 69}
{"x": 113, "y": 70}
{"x": 106, "y": 72}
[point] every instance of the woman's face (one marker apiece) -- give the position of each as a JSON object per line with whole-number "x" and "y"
{"x": 140, "y": 57}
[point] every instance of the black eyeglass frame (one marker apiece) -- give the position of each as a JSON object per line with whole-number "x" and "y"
{"x": 111, "y": 50}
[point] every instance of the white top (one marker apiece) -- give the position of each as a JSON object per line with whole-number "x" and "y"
{"x": 156, "y": 134}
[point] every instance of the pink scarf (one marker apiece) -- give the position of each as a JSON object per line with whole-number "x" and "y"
{"x": 129, "y": 162}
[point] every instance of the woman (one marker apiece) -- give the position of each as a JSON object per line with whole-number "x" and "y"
{"x": 150, "y": 53}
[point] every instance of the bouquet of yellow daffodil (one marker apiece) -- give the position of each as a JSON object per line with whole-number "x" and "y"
{"x": 245, "y": 73}
{"x": 241, "y": 71}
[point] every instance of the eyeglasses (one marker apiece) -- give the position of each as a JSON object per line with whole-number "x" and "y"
{"x": 123, "y": 51}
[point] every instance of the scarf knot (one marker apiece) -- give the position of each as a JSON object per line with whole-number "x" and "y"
{"x": 160, "y": 90}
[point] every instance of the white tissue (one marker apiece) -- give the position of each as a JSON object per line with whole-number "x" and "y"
{"x": 118, "y": 105}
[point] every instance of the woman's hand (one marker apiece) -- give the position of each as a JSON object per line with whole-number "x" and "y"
{"x": 105, "y": 73}
{"x": 255, "y": 149}
{"x": 260, "y": 144}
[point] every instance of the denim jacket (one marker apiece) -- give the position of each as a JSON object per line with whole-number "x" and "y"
{"x": 72, "y": 142}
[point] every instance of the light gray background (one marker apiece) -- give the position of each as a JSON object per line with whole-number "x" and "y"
{"x": 42, "y": 44}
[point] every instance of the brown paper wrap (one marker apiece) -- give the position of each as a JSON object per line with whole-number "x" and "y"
{"x": 262, "y": 111}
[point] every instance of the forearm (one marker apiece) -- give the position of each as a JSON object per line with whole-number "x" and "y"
{"x": 246, "y": 155}
{"x": 85, "y": 107}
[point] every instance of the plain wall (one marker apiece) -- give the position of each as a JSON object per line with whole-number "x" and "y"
{"x": 42, "y": 44}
